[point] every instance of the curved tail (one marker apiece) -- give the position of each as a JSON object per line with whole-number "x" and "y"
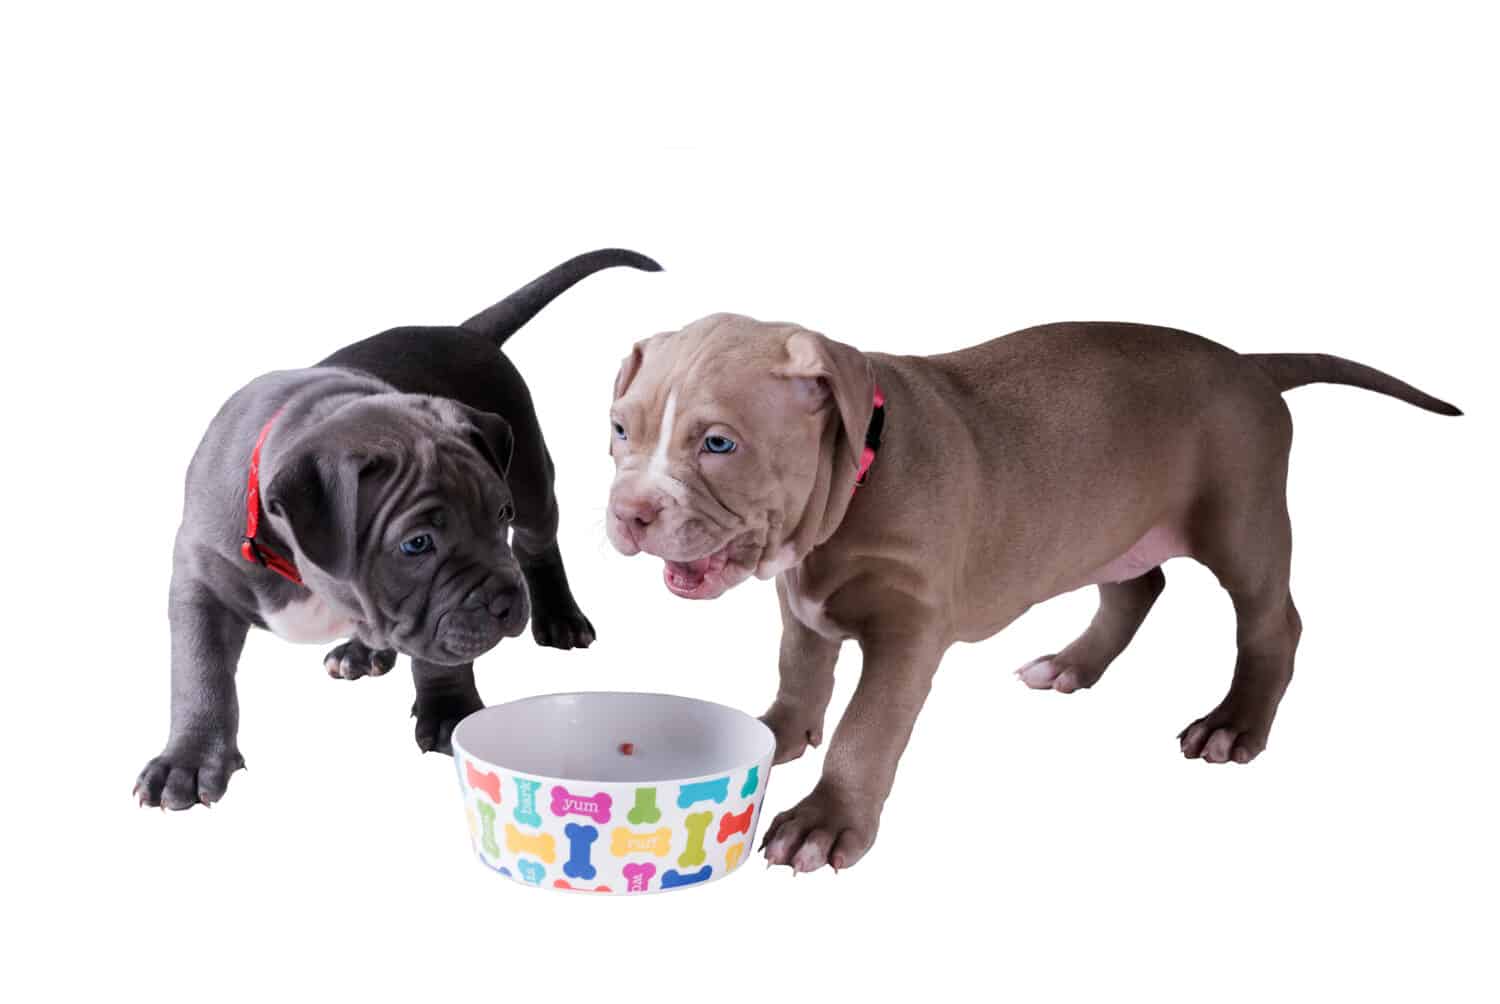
{"x": 506, "y": 317}
{"x": 1288, "y": 370}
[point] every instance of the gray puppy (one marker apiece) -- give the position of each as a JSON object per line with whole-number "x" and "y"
{"x": 370, "y": 497}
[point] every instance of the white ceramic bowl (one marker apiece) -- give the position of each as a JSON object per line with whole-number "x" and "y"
{"x": 612, "y": 792}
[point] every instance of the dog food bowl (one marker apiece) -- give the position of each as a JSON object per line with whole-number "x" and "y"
{"x": 612, "y": 792}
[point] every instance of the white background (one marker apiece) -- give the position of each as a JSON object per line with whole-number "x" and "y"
{"x": 193, "y": 197}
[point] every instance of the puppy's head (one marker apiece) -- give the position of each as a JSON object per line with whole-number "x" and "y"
{"x": 398, "y": 512}
{"x": 731, "y": 439}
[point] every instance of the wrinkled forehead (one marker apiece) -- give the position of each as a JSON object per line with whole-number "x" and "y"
{"x": 423, "y": 452}
{"x": 718, "y": 362}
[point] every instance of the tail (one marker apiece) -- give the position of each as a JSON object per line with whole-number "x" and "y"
{"x": 1288, "y": 370}
{"x": 506, "y": 317}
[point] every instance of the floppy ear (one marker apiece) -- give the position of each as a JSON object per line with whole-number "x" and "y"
{"x": 829, "y": 373}
{"x": 629, "y": 367}
{"x": 492, "y": 437}
{"x": 317, "y": 493}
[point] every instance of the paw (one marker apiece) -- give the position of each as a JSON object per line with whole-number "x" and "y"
{"x": 437, "y": 716}
{"x": 1223, "y": 737}
{"x": 354, "y": 659}
{"x": 1052, "y": 672}
{"x": 186, "y": 774}
{"x": 795, "y": 730}
{"x": 567, "y": 628}
{"x": 826, "y": 827}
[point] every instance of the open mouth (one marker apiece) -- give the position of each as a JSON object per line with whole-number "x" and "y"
{"x": 697, "y": 580}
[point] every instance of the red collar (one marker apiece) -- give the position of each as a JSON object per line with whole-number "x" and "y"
{"x": 872, "y": 439}
{"x": 249, "y": 549}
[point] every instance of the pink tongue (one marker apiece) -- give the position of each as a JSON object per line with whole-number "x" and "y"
{"x": 689, "y": 574}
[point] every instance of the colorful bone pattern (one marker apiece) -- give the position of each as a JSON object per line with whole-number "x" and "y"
{"x": 541, "y": 845}
{"x": 638, "y": 875}
{"x": 487, "y": 823}
{"x": 533, "y": 850}
{"x": 565, "y": 884}
{"x": 697, "y": 828}
{"x": 730, "y": 824}
{"x": 694, "y": 792}
{"x": 595, "y": 807}
{"x": 624, "y": 842}
{"x": 581, "y": 841}
{"x": 645, "y": 812}
{"x": 671, "y": 879}
{"x": 486, "y": 781}
{"x": 525, "y": 811}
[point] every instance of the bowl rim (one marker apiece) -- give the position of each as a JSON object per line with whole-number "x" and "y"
{"x": 765, "y": 756}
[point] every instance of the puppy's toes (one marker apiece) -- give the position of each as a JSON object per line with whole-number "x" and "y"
{"x": 437, "y": 716}
{"x": 1040, "y": 674}
{"x": 183, "y": 777}
{"x": 1221, "y": 738}
{"x": 569, "y": 629}
{"x": 354, "y": 659}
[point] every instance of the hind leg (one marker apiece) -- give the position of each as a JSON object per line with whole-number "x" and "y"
{"x": 1249, "y": 549}
{"x": 1122, "y": 608}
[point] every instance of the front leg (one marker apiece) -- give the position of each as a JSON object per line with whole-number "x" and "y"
{"x": 836, "y": 823}
{"x": 806, "y": 668}
{"x": 445, "y": 696}
{"x": 556, "y": 621}
{"x": 201, "y": 751}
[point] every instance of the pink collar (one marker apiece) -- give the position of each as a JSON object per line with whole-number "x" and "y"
{"x": 872, "y": 439}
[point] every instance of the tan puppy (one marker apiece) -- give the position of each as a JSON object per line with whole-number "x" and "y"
{"x": 1056, "y": 457}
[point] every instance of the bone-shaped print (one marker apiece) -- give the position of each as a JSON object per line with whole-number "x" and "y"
{"x": 595, "y": 807}
{"x": 487, "y": 823}
{"x": 697, "y": 829}
{"x": 730, "y": 824}
{"x": 541, "y": 844}
{"x": 732, "y": 856}
{"x": 638, "y": 875}
{"x": 473, "y": 822}
{"x": 525, "y": 810}
{"x": 645, "y": 811}
{"x": 752, "y": 782}
{"x": 485, "y": 781}
{"x": 623, "y": 841}
{"x": 581, "y": 843}
{"x": 703, "y": 791}
{"x": 671, "y": 879}
{"x": 565, "y": 884}
{"x": 532, "y": 871}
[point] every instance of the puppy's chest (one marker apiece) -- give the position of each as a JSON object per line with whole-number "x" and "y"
{"x": 310, "y": 621}
{"x": 810, "y": 605}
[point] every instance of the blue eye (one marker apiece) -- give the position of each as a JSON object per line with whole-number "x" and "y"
{"x": 718, "y": 444}
{"x": 619, "y": 430}
{"x": 416, "y": 545}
